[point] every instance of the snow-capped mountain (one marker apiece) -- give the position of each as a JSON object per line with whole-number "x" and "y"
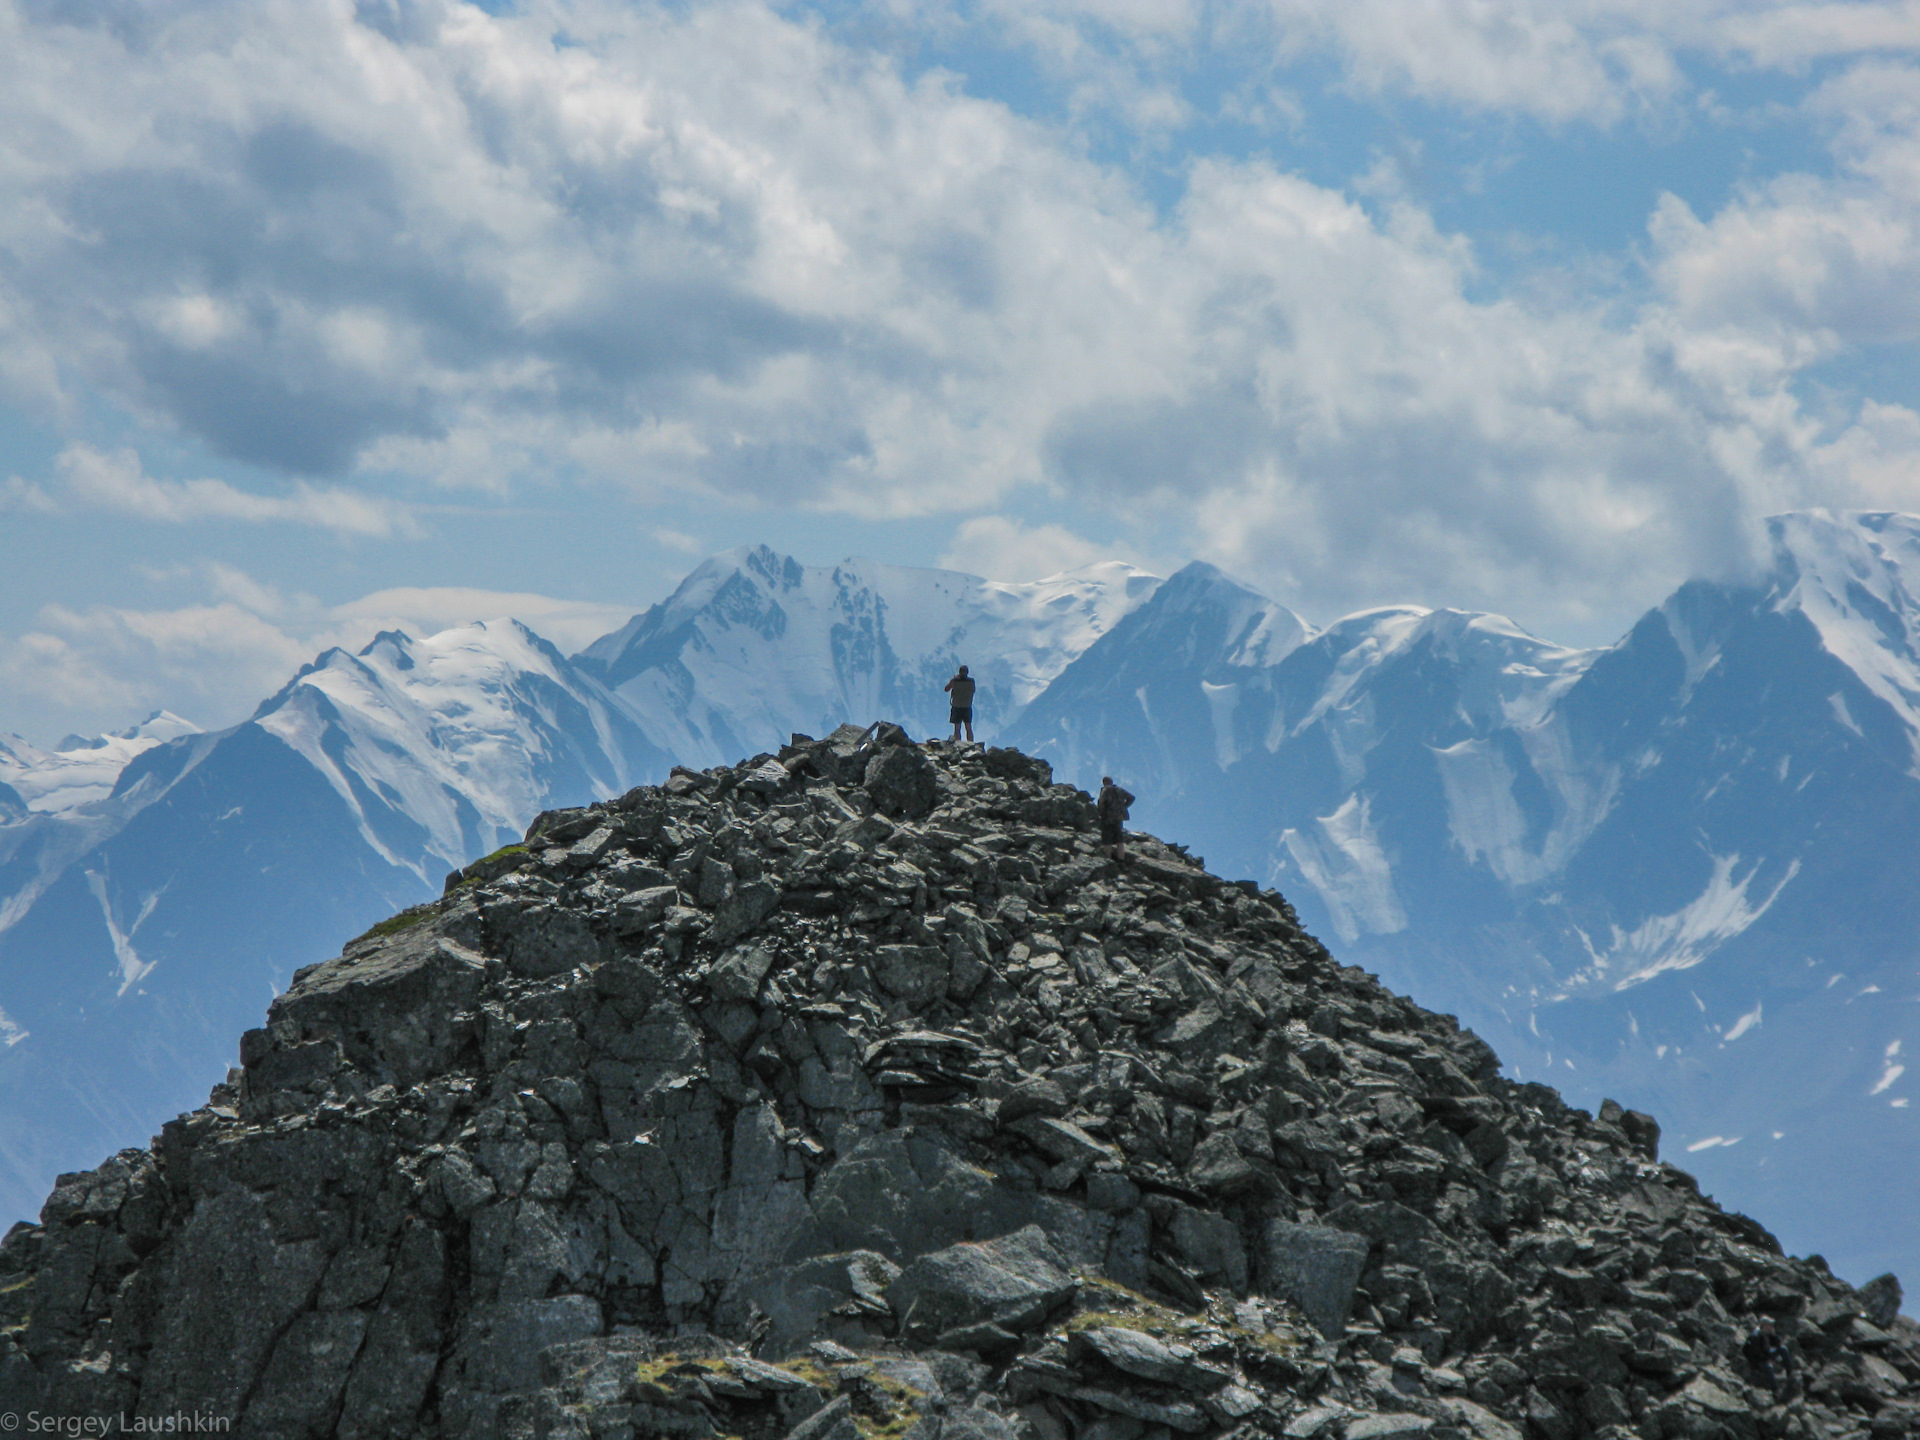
{"x": 141, "y": 928}
{"x": 57, "y": 804}
{"x": 1677, "y": 870}
{"x": 1196, "y": 659}
{"x": 157, "y": 885}
{"x": 754, "y": 646}
{"x": 77, "y": 770}
{"x": 442, "y": 749}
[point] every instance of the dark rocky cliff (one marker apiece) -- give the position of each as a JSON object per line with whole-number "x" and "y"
{"x": 852, "y": 1094}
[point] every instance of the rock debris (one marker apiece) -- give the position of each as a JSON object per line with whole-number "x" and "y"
{"x": 851, "y": 1093}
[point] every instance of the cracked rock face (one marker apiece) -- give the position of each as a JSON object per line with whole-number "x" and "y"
{"x": 852, "y": 1092}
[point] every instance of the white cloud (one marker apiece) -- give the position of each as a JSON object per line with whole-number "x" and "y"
{"x": 105, "y": 666}
{"x": 1874, "y": 459}
{"x": 23, "y": 497}
{"x": 1590, "y": 60}
{"x": 117, "y": 481}
{"x": 1560, "y": 61}
{"x": 1814, "y": 263}
{"x": 421, "y": 610}
{"x": 1793, "y": 34}
{"x": 707, "y": 253}
{"x": 1003, "y": 549}
{"x": 678, "y": 541}
{"x": 100, "y": 667}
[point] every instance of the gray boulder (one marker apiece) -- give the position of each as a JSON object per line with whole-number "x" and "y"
{"x": 737, "y": 974}
{"x": 902, "y": 782}
{"x": 1013, "y": 1283}
{"x": 1880, "y": 1298}
{"x": 1316, "y": 1268}
{"x": 823, "y": 1295}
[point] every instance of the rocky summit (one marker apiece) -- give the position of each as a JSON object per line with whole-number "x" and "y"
{"x": 853, "y": 1093}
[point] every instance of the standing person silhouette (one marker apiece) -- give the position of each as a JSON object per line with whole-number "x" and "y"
{"x": 960, "y": 687}
{"x": 1112, "y": 808}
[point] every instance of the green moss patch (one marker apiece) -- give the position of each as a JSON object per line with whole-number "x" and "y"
{"x": 405, "y": 920}
{"x": 884, "y": 1408}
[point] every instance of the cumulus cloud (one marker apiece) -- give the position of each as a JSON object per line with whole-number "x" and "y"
{"x": 712, "y": 253}
{"x": 92, "y": 668}
{"x": 23, "y": 497}
{"x": 1003, "y": 549}
{"x": 117, "y": 481}
{"x": 1815, "y": 263}
{"x": 102, "y": 666}
{"x": 572, "y": 625}
{"x": 1590, "y": 62}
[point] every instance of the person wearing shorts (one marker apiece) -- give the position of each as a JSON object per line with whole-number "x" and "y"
{"x": 960, "y": 687}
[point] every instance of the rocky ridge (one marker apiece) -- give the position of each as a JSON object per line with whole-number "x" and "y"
{"x": 850, "y": 1093}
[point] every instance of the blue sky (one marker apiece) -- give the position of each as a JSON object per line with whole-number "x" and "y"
{"x": 320, "y": 317}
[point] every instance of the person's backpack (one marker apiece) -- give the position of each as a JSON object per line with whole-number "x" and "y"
{"x": 1114, "y": 803}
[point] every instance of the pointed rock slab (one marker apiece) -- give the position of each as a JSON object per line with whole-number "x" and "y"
{"x": 1312, "y": 1424}
{"x": 1219, "y": 1168}
{"x": 796, "y": 1298}
{"x": 1315, "y": 1267}
{"x": 391, "y": 1007}
{"x": 743, "y": 911}
{"x": 636, "y": 911}
{"x": 1032, "y": 1097}
{"x": 1063, "y": 1140}
{"x": 1707, "y": 1396}
{"x": 1385, "y": 1222}
{"x": 832, "y": 1422}
{"x": 914, "y": 973}
{"x": 1480, "y": 1422}
{"x": 1012, "y": 1282}
{"x": 1138, "y": 1353}
{"x": 973, "y": 1423}
{"x": 767, "y": 778}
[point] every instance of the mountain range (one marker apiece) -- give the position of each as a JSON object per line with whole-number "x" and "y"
{"x": 1676, "y": 870}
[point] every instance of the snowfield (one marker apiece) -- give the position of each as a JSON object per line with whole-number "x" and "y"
{"x": 1676, "y": 870}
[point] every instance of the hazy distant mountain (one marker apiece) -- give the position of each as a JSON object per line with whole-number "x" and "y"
{"x": 754, "y": 646}
{"x": 1678, "y": 870}
{"x": 144, "y": 926}
{"x": 157, "y": 885}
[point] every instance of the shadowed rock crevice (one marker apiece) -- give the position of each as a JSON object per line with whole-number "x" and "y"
{"x": 851, "y": 1092}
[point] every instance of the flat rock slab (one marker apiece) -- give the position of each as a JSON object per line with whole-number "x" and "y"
{"x": 1180, "y": 1415}
{"x": 1315, "y": 1267}
{"x": 1312, "y": 1424}
{"x": 1134, "y": 1352}
{"x": 1388, "y": 1427}
{"x": 1011, "y": 1282}
{"x": 1141, "y": 1354}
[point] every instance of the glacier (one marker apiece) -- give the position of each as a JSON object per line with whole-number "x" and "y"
{"x": 1675, "y": 870}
